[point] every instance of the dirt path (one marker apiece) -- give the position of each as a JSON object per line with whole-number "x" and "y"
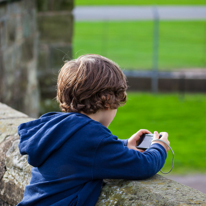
{"x": 197, "y": 181}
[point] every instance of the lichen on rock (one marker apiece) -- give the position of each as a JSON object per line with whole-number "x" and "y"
{"x": 18, "y": 169}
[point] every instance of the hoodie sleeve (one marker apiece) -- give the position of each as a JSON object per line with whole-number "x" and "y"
{"x": 115, "y": 161}
{"x": 124, "y": 141}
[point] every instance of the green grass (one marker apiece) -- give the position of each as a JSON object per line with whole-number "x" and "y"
{"x": 182, "y": 44}
{"x": 138, "y": 2}
{"x": 183, "y": 118}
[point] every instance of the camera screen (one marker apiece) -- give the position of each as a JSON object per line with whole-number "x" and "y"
{"x": 146, "y": 141}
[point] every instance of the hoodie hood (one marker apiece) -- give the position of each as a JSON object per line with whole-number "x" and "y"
{"x": 43, "y": 136}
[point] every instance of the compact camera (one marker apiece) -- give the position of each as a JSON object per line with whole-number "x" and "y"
{"x": 145, "y": 141}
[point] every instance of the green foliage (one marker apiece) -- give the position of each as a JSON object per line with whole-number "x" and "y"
{"x": 48, "y": 105}
{"x": 139, "y": 2}
{"x": 130, "y": 43}
{"x": 183, "y": 117}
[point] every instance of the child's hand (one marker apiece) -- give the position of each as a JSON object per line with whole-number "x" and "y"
{"x": 133, "y": 140}
{"x": 164, "y": 138}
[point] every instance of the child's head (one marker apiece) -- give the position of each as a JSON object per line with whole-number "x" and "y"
{"x": 90, "y": 83}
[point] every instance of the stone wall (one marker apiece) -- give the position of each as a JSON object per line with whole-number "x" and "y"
{"x": 18, "y": 55}
{"x": 55, "y": 25}
{"x": 15, "y": 175}
{"x": 11, "y": 186}
{"x": 33, "y": 34}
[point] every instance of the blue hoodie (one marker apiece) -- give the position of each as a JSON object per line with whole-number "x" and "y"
{"x": 71, "y": 154}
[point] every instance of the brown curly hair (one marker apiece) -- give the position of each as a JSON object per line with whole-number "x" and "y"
{"x": 90, "y": 83}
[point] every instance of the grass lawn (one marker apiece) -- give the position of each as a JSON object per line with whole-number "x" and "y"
{"x": 138, "y": 2}
{"x": 184, "y": 120}
{"x": 182, "y": 44}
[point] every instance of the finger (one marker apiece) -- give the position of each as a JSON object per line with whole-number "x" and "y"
{"x": 156, "y": 135}
{"x": 163, "y": 133}
{"x": 143, "y": 131}
{"x": 135, "y": 137}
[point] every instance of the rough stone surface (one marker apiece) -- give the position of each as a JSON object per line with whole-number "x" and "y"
{"x": 18, "y": 56}
{"x": 157, "y": 191}
{"x": 7, "y": 112}
{"x": 15, "y": 174}
{"x": 51, "y": 5}
{"x": 24, "y": 32}
{"x": 3, "y": 203}
{"x": 14, "y": 169}
{"x": 55, "y": 27}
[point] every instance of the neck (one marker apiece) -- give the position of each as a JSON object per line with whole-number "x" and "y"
{"x": 99, "y": 116}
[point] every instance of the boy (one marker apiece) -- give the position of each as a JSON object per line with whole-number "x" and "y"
{"x": 73, "y": 151}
